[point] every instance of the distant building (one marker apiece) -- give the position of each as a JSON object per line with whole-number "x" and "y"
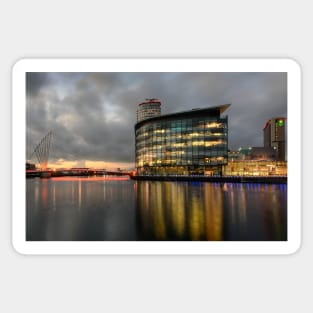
{"x": 245, "y": 153}
{"x": 275, "y": 136}
{"x": 255, "y": 168}
{"x": 30, "y": 166}
{"x": 240, "y": 154}
{"x": 263, "y": 153}
{"x": 234, "y": 155}
{"x": 190, "y": 142}
{"x": 149, "y": 108}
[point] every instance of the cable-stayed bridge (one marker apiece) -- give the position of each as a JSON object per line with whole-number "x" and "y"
{"x": 42, "y": 150}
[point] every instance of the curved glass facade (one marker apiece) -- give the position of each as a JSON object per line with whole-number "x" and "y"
{"x": 186, "y": 143}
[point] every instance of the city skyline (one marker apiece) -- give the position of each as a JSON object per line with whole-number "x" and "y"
{"x": 92, "y": 115}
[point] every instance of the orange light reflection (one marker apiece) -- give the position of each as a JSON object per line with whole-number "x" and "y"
{"x": 93, "y": 178}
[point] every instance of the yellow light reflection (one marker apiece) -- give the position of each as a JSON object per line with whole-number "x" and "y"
{"x": 213, "y": 214}
{"x": 170, "y": 211}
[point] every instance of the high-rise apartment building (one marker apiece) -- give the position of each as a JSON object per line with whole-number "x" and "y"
{"x": 275, "y": 136}
{"x": 149, "y": 108}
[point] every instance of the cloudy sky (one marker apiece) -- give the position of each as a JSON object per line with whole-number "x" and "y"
{"x": 92, "y": 115}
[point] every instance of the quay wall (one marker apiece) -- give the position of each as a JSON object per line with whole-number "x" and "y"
{"x": 216, "y": 179}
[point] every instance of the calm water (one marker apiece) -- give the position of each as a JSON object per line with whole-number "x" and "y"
{"x": 97, "y": 209}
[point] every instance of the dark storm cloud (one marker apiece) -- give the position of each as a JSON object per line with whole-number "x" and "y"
{"x": 35, "y": 81}
{"x": 92, "y": 115}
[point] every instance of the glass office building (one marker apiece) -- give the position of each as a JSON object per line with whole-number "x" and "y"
{"x": 186, "y": 143}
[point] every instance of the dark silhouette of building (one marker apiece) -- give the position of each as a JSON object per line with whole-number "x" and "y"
{"x": 275, "y": 136}
{"x": 30, "y": 166}
{"x": 263, "y": 153}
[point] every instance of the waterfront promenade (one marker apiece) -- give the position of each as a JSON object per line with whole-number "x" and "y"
{"x": 85, "y": 172}
{"x": 196, "y": 178}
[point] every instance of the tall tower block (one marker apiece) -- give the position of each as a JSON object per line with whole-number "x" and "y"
{"x": 149, "y": 108}
{"x": 274, "y": 133}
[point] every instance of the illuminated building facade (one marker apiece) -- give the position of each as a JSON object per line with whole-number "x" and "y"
{"x": 255, "y": 168}
{"x": 186, "y": 143}
{"x": 253, "y": 153}
{"x": 275, "y": 136}
{"x": 149, "y": 108}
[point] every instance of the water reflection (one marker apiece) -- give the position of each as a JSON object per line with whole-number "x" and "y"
{"x": 102, "y": 209}
{"x": 178, "y": 211}
{"x": 80, "y": 209}
{"x": 205, "y": 211}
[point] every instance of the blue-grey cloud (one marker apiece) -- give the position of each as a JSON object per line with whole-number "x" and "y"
{"x": 92, "y": 115}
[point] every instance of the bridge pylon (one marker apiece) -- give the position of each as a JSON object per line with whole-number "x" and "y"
{"x": 42, "y": 151}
